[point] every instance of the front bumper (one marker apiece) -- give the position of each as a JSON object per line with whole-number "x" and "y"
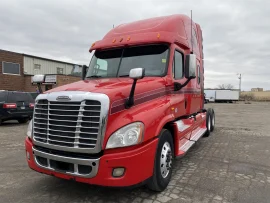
{"x": 138, "y": 164}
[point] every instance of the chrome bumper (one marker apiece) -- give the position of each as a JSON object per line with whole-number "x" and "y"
{"x": 66, "y": 165}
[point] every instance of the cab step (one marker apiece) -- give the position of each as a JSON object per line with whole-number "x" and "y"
{"x": 187, "y": 145}
{"x": 198, "y": 134}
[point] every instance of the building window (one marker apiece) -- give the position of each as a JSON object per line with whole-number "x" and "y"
{"x": 11, "y": 68}
{"x": 60, "y": 71}
{"x": 37, "y": 67}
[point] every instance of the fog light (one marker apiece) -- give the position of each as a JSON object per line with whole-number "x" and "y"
{"x": 28, "y": 155}
{"x": 118, "y": 172}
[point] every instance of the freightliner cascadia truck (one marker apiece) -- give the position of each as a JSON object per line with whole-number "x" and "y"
{"x": 139, "y": 105}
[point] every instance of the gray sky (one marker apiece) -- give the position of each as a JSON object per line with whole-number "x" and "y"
{"x": 236, "y": 32}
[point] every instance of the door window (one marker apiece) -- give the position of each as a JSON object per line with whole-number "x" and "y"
{"x": 178, "y": 65}
{"x": 198, "y": 74}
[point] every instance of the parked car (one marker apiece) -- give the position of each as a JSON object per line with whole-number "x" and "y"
{"x": 34, "y": 95}
{"x": 209, "y": 99}
{"x": 16, "y": 106}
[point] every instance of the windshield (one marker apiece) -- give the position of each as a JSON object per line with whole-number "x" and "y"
{"x": 118, "y": 62}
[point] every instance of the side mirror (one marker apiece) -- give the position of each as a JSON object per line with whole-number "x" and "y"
{"x": 84, "y": 71}
{"x": 38, "y": 79}
{"x": 190, "y": 70}
{"x": 137, "y": 73}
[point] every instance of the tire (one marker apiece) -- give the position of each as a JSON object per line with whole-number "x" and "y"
{"x": 165, "y": 153}
{"x": 1, "y": 121}
{"x": 23, "y": 120}
{"x": 213, "y": 120}
{"x": 208, "y": 123}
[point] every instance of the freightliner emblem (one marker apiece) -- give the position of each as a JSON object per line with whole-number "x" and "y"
{"x": 63, "y": 98}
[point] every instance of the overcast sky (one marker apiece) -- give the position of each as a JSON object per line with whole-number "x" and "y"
{"x": 236, "y": 32}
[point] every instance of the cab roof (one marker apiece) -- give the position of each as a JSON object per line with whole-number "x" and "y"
{"x": 167, "y": 29}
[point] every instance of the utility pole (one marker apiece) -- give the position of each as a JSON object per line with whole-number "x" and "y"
{"x": 240, "y": 81}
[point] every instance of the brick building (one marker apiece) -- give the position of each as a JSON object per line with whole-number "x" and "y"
{"x": 16, "y": 71}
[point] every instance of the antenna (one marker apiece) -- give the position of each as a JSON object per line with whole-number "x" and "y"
{"x": 191, "y": 33}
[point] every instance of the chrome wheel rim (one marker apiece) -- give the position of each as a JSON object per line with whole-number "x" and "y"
{"x": 165, "y": 160}
{"x": 213, "y": 120}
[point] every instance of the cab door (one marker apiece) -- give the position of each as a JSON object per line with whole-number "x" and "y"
{"x": 178, "y": 98}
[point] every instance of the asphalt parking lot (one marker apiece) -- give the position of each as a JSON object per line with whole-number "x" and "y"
{"x": 232, "y": 165}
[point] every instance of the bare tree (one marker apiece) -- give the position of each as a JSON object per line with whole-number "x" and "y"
{"x": 225, "y": 86}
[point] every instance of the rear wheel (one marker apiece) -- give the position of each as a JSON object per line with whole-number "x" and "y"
{"x": 213, "y": 120}
{"x": 163, "y": 162}
{"x": 23, "y": 120}
{"x": 1, "y": 121}
{"x": 208, "y": 122}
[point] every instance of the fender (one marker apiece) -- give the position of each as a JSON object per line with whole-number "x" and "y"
{"x": 163, "y": 122}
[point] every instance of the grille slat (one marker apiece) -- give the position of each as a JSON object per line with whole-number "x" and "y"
{"x": 67, "y": 124}
{"x": 74, "y": 137}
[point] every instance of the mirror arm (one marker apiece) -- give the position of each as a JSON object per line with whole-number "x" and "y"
{"x": 185, "y": 83}
{"x": 84, "y": 68}
{"x": 130, "y": 101}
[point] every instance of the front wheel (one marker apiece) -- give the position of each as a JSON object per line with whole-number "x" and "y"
{"x": 163, "y": 162}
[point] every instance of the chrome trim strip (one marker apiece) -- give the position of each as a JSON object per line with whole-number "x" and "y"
{"x": 76, "y": 96}
{"x": 75, "y": 161}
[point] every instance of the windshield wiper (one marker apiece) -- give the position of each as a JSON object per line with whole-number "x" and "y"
{"x": 124, "y": 75}
{"x": 94, "y": 76}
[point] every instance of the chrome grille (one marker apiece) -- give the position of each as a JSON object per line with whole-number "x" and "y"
{"x": 67, "y": 124}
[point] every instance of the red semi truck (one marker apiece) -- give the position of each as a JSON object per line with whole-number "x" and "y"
{"x": 139, "y": 105}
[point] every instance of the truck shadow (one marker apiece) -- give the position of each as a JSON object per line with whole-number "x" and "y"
{"x": 65, "y": 190}
{"x": 12, "y": 123}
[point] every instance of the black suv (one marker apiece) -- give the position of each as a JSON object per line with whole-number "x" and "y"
{"x": 16, "y": 106}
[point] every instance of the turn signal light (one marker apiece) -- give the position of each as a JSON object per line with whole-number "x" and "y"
{"x": 9, "y": 106}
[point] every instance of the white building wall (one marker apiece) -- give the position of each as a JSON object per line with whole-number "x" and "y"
{"x": 46, "y": 66}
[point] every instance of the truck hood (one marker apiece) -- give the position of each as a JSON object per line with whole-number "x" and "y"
{"x": 115, "y": 88}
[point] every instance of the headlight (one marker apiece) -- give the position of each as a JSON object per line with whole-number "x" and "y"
{"x": 29, "y": 129}
{"x": 128, "y": 135}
